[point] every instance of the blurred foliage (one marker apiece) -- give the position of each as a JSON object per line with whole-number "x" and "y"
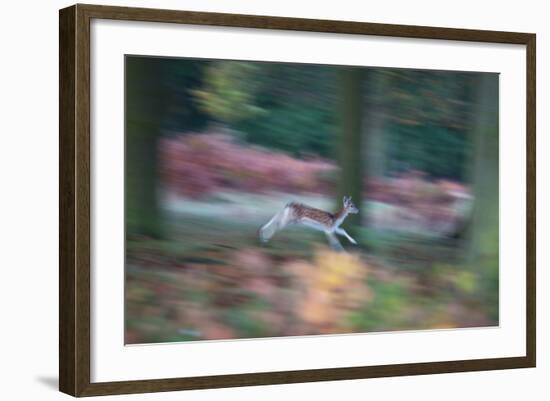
{"x": 198, "y": 165}
{"x": 228, "y": 93}
{"x": 437, "y": 150}
{"x": 292, "y": 108}
{"x": 299, "y": 102}
{"x": 388, "y": 309}
{"x": 332, "y": 286}
{"x": 221, "y": 286}
{"x": 298, "y": 129}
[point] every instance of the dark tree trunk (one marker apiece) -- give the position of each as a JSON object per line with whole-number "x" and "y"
{"x": 375, "y": 124}
{"x": 350, "y": 141}
{"x": 484, "y": 228}
{"x": 146, "y": 99}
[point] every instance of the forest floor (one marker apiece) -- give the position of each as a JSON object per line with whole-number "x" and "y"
{"x": 213, "y": 279}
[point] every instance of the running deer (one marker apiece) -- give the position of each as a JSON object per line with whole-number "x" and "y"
{"x": 298, "y": 213}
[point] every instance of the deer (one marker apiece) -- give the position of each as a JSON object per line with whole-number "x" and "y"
{"x": 298, "y": 213}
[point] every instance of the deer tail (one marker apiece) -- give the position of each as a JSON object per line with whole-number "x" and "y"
{"x": 276, "y": 223}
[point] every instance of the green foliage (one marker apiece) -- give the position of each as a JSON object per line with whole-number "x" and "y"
{"x": 295, "y": 128}
{"x": 242, "y": 319}
{"x": 228, "y": 92}
{"x": 388, "y": 308}
{"x": 466, "y": 281}
{"x": 298, "y": 110}
{"x": 489, "y": 287}
{"x": 437, "y": 150}
{"x": 376, "y": 240}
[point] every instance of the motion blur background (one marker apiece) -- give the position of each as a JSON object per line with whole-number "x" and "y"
{"x": 215, "y": 148}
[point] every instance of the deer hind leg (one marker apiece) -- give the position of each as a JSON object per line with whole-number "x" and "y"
{"x": 334, "y": 243}
{"x": 277, "y": 223}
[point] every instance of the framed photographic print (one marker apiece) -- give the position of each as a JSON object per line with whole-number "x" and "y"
{"x": 251, "y": 200}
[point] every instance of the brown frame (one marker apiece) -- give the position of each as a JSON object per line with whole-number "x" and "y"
{"x": 74, "y": 203}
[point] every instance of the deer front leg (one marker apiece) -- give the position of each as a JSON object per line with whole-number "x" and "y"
{"x": 334, "y": 243}
{"x": 343, "y": 232}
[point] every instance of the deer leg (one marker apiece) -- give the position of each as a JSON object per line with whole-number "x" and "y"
{"x": 343, "y": 232}
{"x": 334, "y": 243}
{"x": 269, "y": 229}
{"x": 277, "y": 223}
{"x": 284, "y": 219}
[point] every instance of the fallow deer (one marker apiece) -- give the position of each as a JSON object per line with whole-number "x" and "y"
{"x": 298, "y": 213}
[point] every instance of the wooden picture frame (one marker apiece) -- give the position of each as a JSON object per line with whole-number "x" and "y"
{"x": 75, "y": 206}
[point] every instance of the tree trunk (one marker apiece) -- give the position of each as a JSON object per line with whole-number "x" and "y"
{"x": 484, "y": 227}
{"x": 351, "y": 109}
{"x": 146, "y": 98}
{"x": 373, "y": 128}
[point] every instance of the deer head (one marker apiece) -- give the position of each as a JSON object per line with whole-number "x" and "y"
{"x": 349, "y": 206}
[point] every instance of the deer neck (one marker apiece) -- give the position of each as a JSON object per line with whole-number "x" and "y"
{"x": 340, "y": 217}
